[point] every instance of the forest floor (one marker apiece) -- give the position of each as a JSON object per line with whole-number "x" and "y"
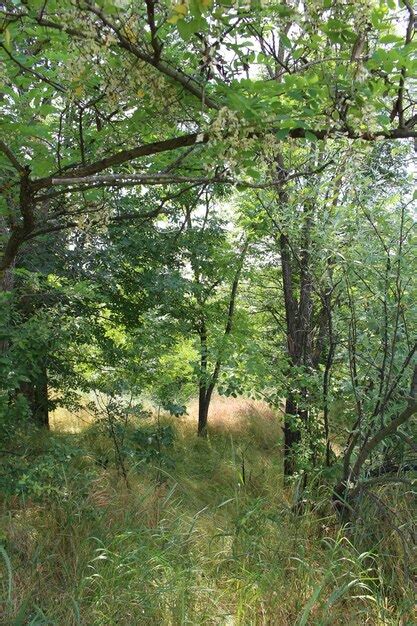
{"x": 204, "y": 533}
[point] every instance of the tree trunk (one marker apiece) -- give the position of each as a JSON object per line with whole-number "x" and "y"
{"x": 298, "y": 313}
{"x": 203, "y": 399}
{"x": 208, "y": 382}
{"x": 292, "y": 435}
{"x": 41, "y": 412}
{"x": 6, "y": 285}
{"x": 203, "y": 407}
{"x": 36, "y": 394}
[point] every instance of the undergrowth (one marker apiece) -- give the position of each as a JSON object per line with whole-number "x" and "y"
{"x": 204, "y": 532}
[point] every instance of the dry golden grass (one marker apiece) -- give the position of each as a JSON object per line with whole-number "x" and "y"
{"x": 64, "y": 420}
{"x": 234, "y": 415}
{"x": 226, "y": 414}
{"x": 206, "y": 536}
{"x": 72, "y": 421}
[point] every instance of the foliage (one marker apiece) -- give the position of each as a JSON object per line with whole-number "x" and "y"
{"x": 201, "y": 196}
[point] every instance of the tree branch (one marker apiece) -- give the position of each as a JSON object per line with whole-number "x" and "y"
{"x": 177, "y": 75}
{"x": 9, "y": 154}
{"x": 198, "y": 138}
{"x": 390, "y": 428}
{"x": 29, "y": 70}
{"x": 124, "y": 156}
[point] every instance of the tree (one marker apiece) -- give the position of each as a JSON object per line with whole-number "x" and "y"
{"x": 216, "y": 272}
{"x": 118, "y": 113}
{"x": 380, "y": 346}
{"x": 304, "y": 235}
{"x": 339, "y": 71}
{"x": 296, "y": 291}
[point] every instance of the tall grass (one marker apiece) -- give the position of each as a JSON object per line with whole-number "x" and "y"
{"x": 207, "y": 538}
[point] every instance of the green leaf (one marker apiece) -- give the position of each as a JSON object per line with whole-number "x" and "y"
{"x": 187, "y": 28}
{"x": 303, "y": 621}
{"x": 310, "y": 136}
{"x": 391, "y": 39}
{"x": 285, "y": 40}
{"x": 282, "y": 133}
{"x": 7, "y": 39}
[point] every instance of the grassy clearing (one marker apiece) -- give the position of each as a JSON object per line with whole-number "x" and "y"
{"x": 207, "y": 536}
